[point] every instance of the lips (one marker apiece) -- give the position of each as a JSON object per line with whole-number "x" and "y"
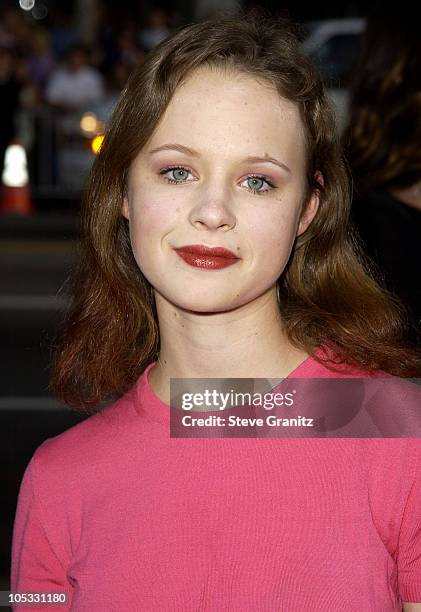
{"x": 207, "y": 258}
{"x": 200, "y": 249}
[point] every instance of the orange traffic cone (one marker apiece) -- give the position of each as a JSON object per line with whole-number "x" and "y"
{"x": 15, "y": 191}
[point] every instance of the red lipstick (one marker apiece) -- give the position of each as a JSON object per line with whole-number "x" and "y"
{"x": 208, "y": 258}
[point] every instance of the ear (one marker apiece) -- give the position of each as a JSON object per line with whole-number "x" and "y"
{"x": 125, "y": 209}
{"x": 311, "y": 206}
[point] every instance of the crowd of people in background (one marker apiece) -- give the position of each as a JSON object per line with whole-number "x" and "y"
{"x": 48, "y": 63}
{"x": 49, "y": 72}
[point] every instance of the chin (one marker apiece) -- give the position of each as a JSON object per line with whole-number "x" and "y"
{"x": 205, "y": 306}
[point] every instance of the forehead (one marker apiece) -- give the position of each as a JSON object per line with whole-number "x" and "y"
{"x": 217, "y": 108}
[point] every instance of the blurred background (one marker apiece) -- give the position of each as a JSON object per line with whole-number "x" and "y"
{"x": 62, "y": 67}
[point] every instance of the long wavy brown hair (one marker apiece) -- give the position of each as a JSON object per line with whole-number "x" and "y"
{"x": 383, "y": 135}
{"x": 327, "y": 295}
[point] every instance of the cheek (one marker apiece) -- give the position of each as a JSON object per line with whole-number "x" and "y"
{"x": 274, "y": 236}
{"x": 148, "y": 223}
{"x": 151, "y": 209}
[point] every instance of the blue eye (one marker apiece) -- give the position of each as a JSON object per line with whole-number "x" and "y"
{"x": 184, "y": 170}
{"x": 262, "y": 179}
{"x": 174, "y": 169}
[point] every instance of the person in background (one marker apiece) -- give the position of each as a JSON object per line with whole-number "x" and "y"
{"x": 75, "y": 84}
{"x": 40, "y": 59}
{"x": 62, "y": 30}
{"x": 382, "y": 144}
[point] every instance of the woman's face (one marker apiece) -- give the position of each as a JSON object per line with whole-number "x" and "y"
{"x": 223, "y": 119}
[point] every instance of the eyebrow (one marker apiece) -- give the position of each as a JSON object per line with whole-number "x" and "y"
{"x": 188, "y": 151}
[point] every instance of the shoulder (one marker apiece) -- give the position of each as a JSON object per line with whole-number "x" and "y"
{"x": 68, "y": 474}
{"x": 387, "y": 406}
{"x": 88, "y": 445}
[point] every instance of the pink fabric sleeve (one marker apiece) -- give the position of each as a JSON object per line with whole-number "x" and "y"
{"x": 36, "y": 568}
{"x": 409, "y": 546}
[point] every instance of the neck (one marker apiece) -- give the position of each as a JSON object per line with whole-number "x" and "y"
{"x": 248, "y": 342}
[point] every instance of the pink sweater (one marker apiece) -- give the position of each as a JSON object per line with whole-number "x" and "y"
{"x": 124, "y": 518}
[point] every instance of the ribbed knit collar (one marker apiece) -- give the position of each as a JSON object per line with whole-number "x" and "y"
{"x": 150, "y": 405}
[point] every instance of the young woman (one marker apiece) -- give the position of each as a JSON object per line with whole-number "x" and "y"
{"x": 222, "y": 138}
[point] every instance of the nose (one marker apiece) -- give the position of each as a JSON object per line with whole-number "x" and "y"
{"x": 213, "y": 211}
